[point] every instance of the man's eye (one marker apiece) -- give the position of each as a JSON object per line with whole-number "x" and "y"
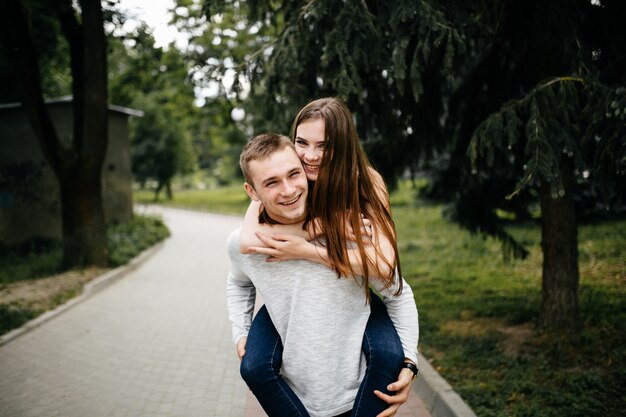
{"x": 270, "y": 184}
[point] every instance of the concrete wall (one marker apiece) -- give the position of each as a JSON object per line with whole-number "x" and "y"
{"x": 29, "y": 191}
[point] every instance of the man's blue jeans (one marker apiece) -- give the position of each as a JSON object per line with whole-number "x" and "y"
{"x": 260, "y": 367}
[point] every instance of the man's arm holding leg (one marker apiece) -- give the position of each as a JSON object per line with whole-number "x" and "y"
{"x": 240, "y": 297}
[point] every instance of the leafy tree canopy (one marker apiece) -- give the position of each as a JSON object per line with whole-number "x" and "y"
{"x": 535, "y": 84}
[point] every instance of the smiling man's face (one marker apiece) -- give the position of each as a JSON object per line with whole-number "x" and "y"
{"x": 280, "y": 184}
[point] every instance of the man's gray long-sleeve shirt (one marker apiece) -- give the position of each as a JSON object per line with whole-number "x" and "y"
{"x": 321, "y": 321}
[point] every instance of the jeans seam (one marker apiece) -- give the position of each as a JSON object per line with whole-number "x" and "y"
{"x": 277, "y": 376}
{"x": 357, "y": 401}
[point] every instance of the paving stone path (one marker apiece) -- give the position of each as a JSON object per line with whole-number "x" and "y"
{"x": 155, "y": 343}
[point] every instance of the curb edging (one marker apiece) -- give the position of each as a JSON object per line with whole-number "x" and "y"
{"x": 92, "y": 287}
{"x": 438, "y": 396}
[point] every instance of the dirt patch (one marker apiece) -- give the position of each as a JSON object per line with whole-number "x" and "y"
{"x": 515, "y": 338}
{"x": 477, "y": 327}
{"x": 46, "y": 293}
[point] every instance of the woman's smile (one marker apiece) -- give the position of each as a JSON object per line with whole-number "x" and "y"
{"x": 311, "y": 168}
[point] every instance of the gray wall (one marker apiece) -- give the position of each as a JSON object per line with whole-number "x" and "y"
{"x": 29, "y": 192}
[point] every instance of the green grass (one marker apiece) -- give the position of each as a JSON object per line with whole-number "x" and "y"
{"x": 471, "y": 301}
{"x": 477, "y": 311}
{"x": 17, "y": 267}
{"x": 14, "y": 315}
{"x": 225, "y": 200}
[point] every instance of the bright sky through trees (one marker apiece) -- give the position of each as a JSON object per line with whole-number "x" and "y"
{"x": 156, "y": 14}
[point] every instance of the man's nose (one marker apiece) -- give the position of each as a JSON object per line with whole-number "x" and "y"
{"x": 288, "y": 187}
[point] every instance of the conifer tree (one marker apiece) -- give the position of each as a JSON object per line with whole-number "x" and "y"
{"x": 559, "y": 131}
{"x": 502, "y": 102}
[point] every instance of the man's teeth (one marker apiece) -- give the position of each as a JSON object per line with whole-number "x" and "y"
{"x": 287, "y": 203}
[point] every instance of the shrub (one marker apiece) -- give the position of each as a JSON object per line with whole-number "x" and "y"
{"x": 127, "y": 240}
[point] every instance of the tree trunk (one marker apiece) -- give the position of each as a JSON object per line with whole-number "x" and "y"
{"x": 559, "y": 243}
{"x": 168, "y": 190}
{"x": 81, "y": 190}
{"x": 157, "y": 190}
{"x": 84, "y": 233}
{"x": 78, "y": 168}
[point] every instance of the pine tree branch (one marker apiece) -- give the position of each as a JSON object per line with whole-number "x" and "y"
{"x": 562, "y": 79}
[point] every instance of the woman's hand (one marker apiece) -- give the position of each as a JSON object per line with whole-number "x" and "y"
{"x": 402, "y": 387}
{"x": 314, "y": 229}
{"x": 366, "y": 231}
{"x": 284, "y": 247}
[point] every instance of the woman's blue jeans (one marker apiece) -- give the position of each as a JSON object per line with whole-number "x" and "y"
{"x": 260, "y": 367}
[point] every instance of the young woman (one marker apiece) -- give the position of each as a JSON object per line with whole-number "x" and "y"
{"x": 348, "y": 210}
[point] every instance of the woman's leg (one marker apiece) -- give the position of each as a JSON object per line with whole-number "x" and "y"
{"x": 384, "y": 355}
{"x": 260, "y": 368}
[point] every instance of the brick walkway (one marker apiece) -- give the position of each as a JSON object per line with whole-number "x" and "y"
{"x": 156, "y": 343}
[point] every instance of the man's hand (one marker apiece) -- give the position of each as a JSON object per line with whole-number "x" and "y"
{"x": 241, "y": 347}
{"x": 402, "y": 387}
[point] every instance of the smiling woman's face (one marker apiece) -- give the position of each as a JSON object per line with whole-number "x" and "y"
{"x": 310, "y": 145}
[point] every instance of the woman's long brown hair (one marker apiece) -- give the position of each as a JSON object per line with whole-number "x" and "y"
{"x": 345, "y": 189}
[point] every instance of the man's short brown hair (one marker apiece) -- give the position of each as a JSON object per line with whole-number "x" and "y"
{"x": 261, "y": 147}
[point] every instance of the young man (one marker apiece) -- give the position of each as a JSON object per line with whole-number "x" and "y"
{"x": 319, "y": 319}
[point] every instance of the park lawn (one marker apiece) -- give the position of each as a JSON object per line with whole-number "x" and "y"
{"x": 477, "y": 315}
{"x": 225, "y": 200}
{"x": 477, "y": 311}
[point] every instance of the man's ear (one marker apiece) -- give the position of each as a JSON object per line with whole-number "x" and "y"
{"x": 250, "y": 191}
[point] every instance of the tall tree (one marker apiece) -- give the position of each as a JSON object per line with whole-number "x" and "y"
{"x": 157, "y": 81}
{"x": 161, "y": 148}
{"x": 538, "y": 85}
{"x": 218, "y": 44}
{"x": 554, "y": 135}
{"x": 78, "y": 166}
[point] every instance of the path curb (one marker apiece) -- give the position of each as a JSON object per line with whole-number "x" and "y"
{"x": 92, "y": 287}
{"x": 438, "y": 396}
